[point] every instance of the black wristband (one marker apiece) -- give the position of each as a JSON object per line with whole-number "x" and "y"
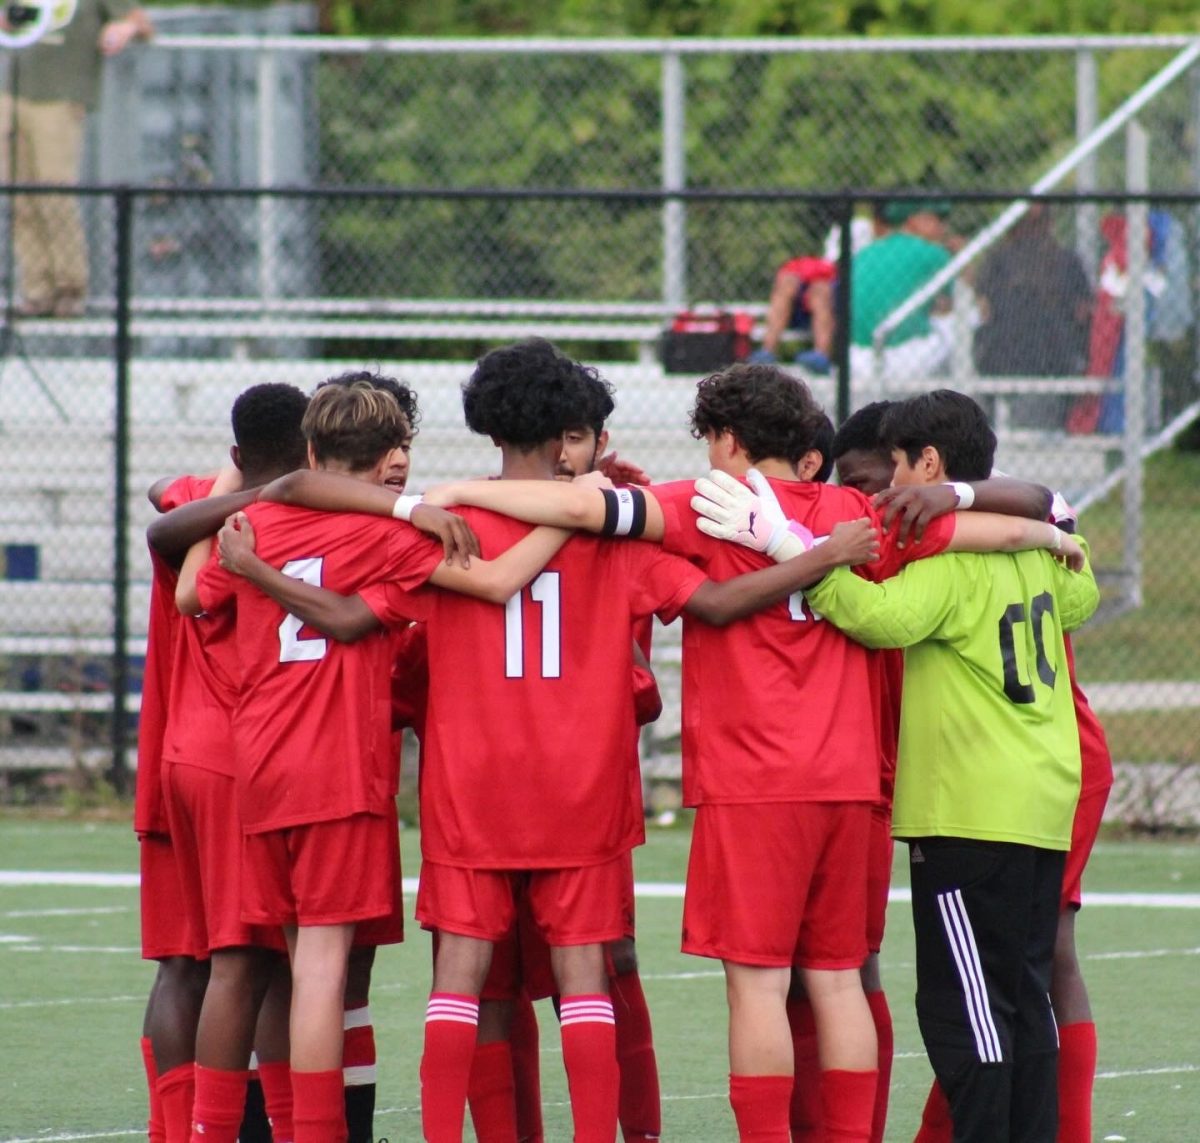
{"x": 624, "y": 512}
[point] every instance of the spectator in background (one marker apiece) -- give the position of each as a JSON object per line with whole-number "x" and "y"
{"x": 1035, "y": 302}
{"x": 802, "y": 299}
{"x": 53, "y": 85}
{"x": 885, "y": 275}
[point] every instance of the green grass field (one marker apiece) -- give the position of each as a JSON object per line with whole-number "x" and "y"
{"x": 72, "y": 991}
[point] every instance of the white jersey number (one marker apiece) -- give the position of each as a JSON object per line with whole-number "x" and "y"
{"x": 544, "y": 590}
{"x": 799, "y": 608}
{"x": 293, "y": 649}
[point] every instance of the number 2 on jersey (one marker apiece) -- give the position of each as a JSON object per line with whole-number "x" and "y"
{"x": 545, "y": 590}
{"x": 293, "y": 649}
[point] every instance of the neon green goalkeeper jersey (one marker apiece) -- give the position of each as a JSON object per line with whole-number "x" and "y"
{"x": 989, "y": 747}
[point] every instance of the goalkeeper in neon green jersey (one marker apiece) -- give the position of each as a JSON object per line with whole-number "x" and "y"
{"x": 987, "y": 779}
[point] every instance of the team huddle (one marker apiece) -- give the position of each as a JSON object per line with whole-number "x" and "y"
{"x": 305, "y": 610}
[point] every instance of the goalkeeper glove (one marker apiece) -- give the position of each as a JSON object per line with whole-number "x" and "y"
{"x": 752, "y": 517}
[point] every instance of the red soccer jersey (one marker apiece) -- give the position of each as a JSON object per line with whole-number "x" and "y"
{"x": 204, "y": 690}
{"x": 149, "y": 812}
{"x": 781, "y": 706}
{"x": 530, "y": 727}
{"x": 312, "y": 727}
{"x": 1096, "y": 768}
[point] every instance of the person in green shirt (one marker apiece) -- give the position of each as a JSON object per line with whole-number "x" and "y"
{"x": 52, "y": 86}
{"x": 987, "y": 780}
{"x": 886, "y": 274}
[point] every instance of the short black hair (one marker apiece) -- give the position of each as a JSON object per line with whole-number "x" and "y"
{"x": 531, "y": 392}
{"x": 952, "y": 423}
{"x": 770, "y": 412}
{"x": 823, "y": 443}
{"x": 861, "y": 430}
{"x": 405, "y": 395}
{"x": 267, "y": 423}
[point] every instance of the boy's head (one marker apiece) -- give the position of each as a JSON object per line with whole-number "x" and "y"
{"x": 768, "y": 413}
{"x": 354, "y": 428}
{"x": 526, "y": 395}
{"x": 268, "y": 440}
{"x": 939, "y": 436}
{"x": 396, "y": 475}
{"x": 863, "y": 459}
{"x": 584, "y": 444}
{"x": 817, "y": 463}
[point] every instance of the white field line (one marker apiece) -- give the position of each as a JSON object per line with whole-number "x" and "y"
{"x": 644, "y": 889}
{"x": 98, "y": 912}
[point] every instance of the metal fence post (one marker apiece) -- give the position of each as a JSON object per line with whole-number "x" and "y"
{"x": 674, "y": 178}
{"x": 1137, "y": 218}
{"x": 268, "y": 85}
{"x": 1087, "y": 115}
{"x": 841, "y": 328}
{"x": 118, "y": 773}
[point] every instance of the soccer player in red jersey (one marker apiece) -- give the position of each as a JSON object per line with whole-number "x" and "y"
{"x": 198, "y": 771}
{"x": 173, "y": 1007}
{"x": 762, "y": 806}
{"x": 530, "y": 802}
{"x": 313, "y": 738}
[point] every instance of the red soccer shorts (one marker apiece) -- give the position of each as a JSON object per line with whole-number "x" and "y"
{"x": 326, "y": 873}
{"x": 164, "y": 930}
{"x": 879, "y": 874}
{"x": 577, "y": 906}
{"x": 779, "y": 884}
{"x": 387, "y": 930}
{"x": 1088, "y": 813}
{"x": 207, "y": 835}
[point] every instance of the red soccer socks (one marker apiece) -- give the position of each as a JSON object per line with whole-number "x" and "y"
{"x": 156, "y": 1129}
{"x": 491, "y": 1093}
{"x": 936, "y": 1125}
{"x": 1076, "y": 1077}
{"x": 640, "y": 1107}
{"x": 805, "y": 1113}
{"x": 760, "y": 1106}
{"x": 220, "y": 1102}
{"x": 882, "y": 1016}
{"x": 589, "y": 1045}
{"x": 524, "y": 1041}
{"x": 451, "y": 1025}
{"x": 176, "y": 1095}
{"x": 318, "y": 1107}
{"x": 848, "y": 1105}
{"x": 276, "y": 1080}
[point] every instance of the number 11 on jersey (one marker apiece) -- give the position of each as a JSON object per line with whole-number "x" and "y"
{"x": 546, "y": 591}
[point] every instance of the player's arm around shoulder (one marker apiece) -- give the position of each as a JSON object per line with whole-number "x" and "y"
{"x": 1077, "y": 592}
{"x": 897, "y": 612}
{"x": 497, "y": 580}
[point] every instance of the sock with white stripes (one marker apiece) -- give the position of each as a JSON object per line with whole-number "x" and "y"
{"x": 358, "y": 1073}
{"x": 451, "y": 1025}
{"x": 589, "y": 1047}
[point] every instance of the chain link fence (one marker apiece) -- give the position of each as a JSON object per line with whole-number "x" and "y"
{"x": 581, "y": 227}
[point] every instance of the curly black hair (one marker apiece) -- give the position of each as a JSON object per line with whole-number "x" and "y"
{"x": 770, "y": 412}
{"x": 860, "y": 430}
{"x": 406, "y": 397}
{"x": 952, "y": 423}
{"x": 531, "y": 392}
{"x": 267, "y": 423}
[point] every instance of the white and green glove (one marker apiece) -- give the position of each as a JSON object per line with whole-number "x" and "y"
{"x": 752, "y": 517}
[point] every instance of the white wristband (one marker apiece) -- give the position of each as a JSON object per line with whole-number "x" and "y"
{"x": 1056, "y": 541}
{"x": 965, "y": 494}
{"x": 403, "y": 508}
